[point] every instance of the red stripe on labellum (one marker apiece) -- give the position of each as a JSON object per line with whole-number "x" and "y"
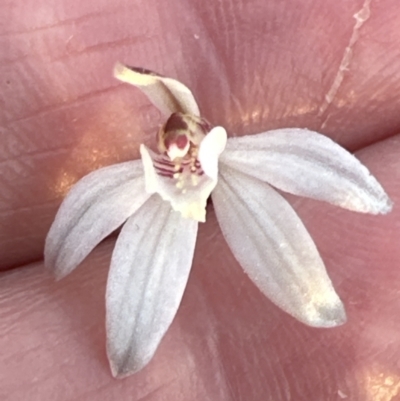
{"x": 169, "y": 175}
{"x": 164, "y": 170}
{"x": 164, "y": 162}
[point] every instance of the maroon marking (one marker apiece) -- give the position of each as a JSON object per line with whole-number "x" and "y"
{"x": 164, "y": 170}
{"x": 165, "y": 163}
{"x": 144, "y": 71}
{"x": 165, "y": 175}
{"x": 181, "y": 141}
{"x": 175, "y": 123}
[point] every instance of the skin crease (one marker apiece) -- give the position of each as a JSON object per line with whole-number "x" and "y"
{"x": 253, "y": 66}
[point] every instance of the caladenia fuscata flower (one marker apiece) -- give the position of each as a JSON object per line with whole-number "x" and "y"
{"x": 160, "y": 199}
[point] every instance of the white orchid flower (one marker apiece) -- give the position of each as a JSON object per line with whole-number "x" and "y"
{"x": 162, "y": 198}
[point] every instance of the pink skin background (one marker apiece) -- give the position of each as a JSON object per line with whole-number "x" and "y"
{"x": 253, "y": 66}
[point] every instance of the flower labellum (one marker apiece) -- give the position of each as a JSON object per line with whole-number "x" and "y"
{"x": 185, "y": 171}
{"x": 160, "y": 199}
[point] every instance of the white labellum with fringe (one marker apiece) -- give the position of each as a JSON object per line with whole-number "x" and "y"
{"x": 161, "y": 198}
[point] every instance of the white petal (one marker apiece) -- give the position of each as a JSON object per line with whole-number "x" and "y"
{"x": 98, "y": 204}
{"x": 167, "y": 94}
{"x": 149, "y": 270}
{"x": 186, "y": 191}
{"x": 272, "y": 245}
{"x": 210, "y": 150}
{"x": 308, "y": 164}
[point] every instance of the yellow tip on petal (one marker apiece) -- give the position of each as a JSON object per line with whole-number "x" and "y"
{"x": 194, "y": 211}
{"x": 130, "y": 76}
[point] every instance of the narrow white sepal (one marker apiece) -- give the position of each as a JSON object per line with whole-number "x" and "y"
{"x": 306, "y": 163}
{"x": 167, "y": 94}
{"x": 149, "y": 269}
{"x": 274, "y": 248}
{"x": 95, "y": 206}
